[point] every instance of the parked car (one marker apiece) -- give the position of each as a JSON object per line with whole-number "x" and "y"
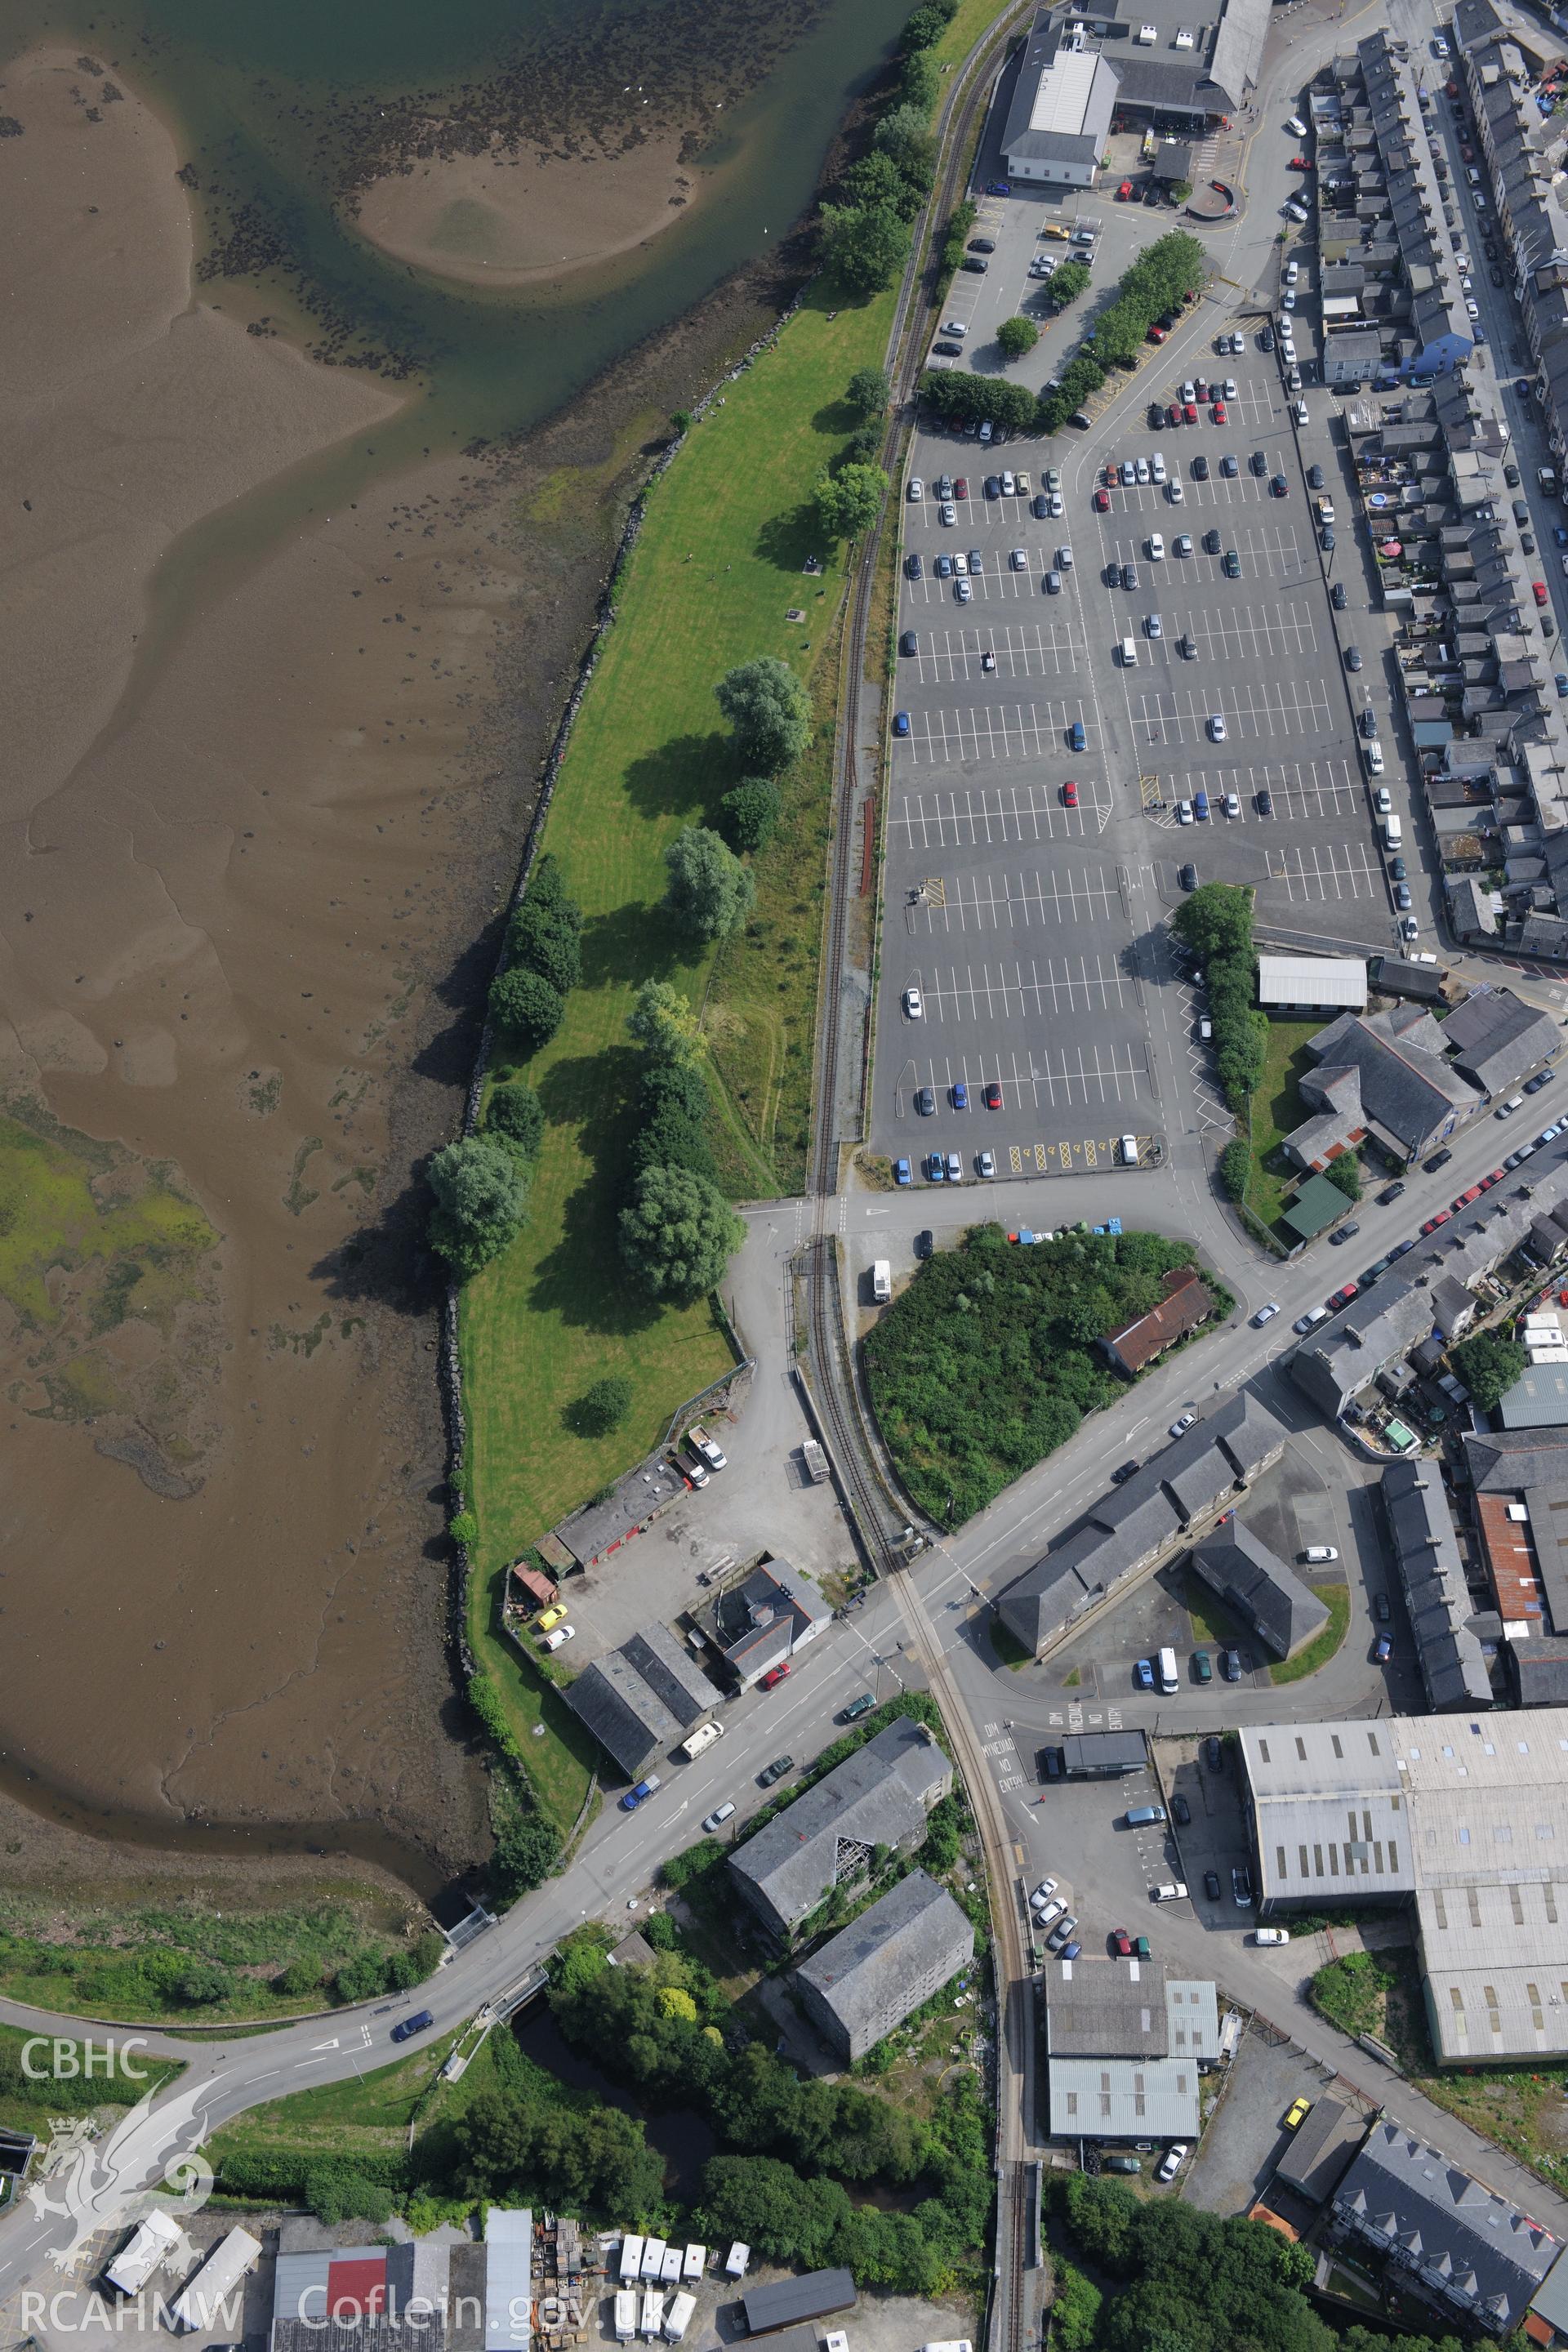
{"x": 774, "y": 1771}
{"x": 1383, "y": 1650}
{"x": 1241, "y": 1887}
{"x": 640, "y": 1794}
{"x": 717, "y": 1817}
{"x": 1230, "y": 1664}
{"x": 1181, "y": 1811}
{"x": 1211, "y": 1885}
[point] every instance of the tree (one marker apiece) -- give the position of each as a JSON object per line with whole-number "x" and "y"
{"x": 674, "y": 1131}
{"x": 680, "y": 420}
{"x": 526, "y": 1004}
{"x": 923, "y": 30}
{"x": 864, "y": 244}
{"x": 920, "y": 80}
{"x": 711, "y": 893}
{"x": 876, "y": 182}
{"x": 870, "y": 389}
{"x": 664, "y": 1021}
{"x": 1345, "y": 1171}
{"x": 1215, "y": 919}
{"x": 1234, "y": 1164}
{"x": 679, "y": 1233}
{"x": 1181, "y": 192}
{"x": 203, "y": 1982}
{"x": 752, "y": 812}
{"x": 1068, "y": 282}
{"x": 545, "y": 933}
{"x": 849, "y": 501}
{"x": 769, "y": 710}
{"x": 1489, "y": 1365}
{"x": 515, "y": 1113}
{"x": 904, "y": 136}
{"x": 481, "y": 1198}
{"x": 603, "y": 1407}
{"x": 1075, "y": 2310}
{"x": 1018, "y": 337}
{"x": 526, "y": 1851}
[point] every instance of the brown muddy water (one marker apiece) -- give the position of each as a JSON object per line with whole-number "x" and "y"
{"x": 288, "y": 636}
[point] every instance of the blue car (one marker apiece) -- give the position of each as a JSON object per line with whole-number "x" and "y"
{"x": 1559, "y": 534}
{"x": 1144, "y": 1674}
{"x": 412, "y": 2025}
{"x": 934, "y": 1168}
{"x": 1561, "y": 683}
{"x": 1069, "y": 1951}
{"x": 902, "y": 1172}
{"x": 1080, "y": 741}
{"x": 960, "y": 1095}
{"x": 900, "y": 723}
{"x": 634, "y": 1797}
{"x": 998, "y": 187}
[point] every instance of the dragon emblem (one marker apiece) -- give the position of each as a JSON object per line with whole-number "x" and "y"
{"x": 150, "y": 2160}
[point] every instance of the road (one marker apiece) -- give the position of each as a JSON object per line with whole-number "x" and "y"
{"x": 920, "y": 1625}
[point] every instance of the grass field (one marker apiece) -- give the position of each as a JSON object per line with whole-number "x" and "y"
{"x": 718, "y": 563}
{"x": 1336, "y": 1599}
{"x": 1277, "y": 1108}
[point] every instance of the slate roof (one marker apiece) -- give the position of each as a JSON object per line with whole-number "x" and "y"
{"x": 877, "y": 1796}
{"x": 1321, "y": 2147}
{"x": 1535, "y": 1669}
{"x": 1406, "y": 1085}
{"x": 1427, "y": 1552}
{"x": 915, "y": 1929}
{"x": 788, "y": 2301}
{"x": 1131, "y": 1522}
{"x": 641, "y": 1698}
{"x": 1480, "y": 2254}
{"x": 1239, "y": 51}
{"x": 1498, "y": 1039}
{"x": 1257, "y": 1585}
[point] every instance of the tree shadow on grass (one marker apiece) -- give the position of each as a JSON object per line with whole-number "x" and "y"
{"x": 836, "y": 417}
{"x": 634, "y": 943}
{"x": 581, "y": 1280}
{"x": 786, "y": 539}
{"x": 682, "y": 777}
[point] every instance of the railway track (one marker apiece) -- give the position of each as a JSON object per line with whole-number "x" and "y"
{"x": 1012, "y": 2324}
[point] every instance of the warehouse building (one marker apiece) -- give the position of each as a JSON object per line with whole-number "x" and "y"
{"x": 1062, "y": 104}
{"x": 1125, "y": 2045}
{"x": 1297, "y": 983}
{"x": 870, "y": 1975}
{"x": 882, "y": 1795}
{"x": 1496, "y": 1039}
{"x": 1460, "y": 1813}
{"x": 793, "y": 2302}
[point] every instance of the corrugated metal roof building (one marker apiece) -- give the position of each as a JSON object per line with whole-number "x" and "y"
{"x": 1300, "y": 983}
{"x": 787, "y": 2303}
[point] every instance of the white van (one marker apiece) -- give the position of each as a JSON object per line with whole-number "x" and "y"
{"x": 882, "y": 1279}
{"x": 1294, "y": 123}
{"x": 1392, "y": 833}
{"x": 1372, "y": 754}
{"x": 1320, "y": 1552}
{"x": 1129, "y": 653}
{"x": 1129, "y": 1151}
{"x": 1168, "y": 1671}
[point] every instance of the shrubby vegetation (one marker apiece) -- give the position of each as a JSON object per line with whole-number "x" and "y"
{"x": 1216, "y": 922}
{"x": 849, "y": 502}
{"x": 752, "y": 812}
{"x": 527, "y": 1847}
{"x": 1489, "y": 1365}
{"x": 866, "y": 239}
{"x": 1188, "y": 2280}
{"x": 1235, "y": 1166}
{"x": 711, "y": 893}
{"x": 479, "y": 1184}
{"x": 1345, "y": 1174}
{"x": 1067, "y": 283}
{"x": 986, "y": 1363}
{"x": 678, "y": 1231}
{"x": 769, "y": 710}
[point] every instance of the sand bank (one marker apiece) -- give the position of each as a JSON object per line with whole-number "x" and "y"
{"x": 510, "y": 220}
{"x": 233, "y": 865}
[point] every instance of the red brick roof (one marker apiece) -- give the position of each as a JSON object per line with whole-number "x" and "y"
{"x": 1186, "y": 1304}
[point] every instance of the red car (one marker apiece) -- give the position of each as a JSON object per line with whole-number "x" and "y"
{"x": 1343, "y": 1297}
{"x": 773, "y": 1676}
{"x": 1102, "y": 503}
{"x": 1201, "y": 389}
{"x": 1123, "y": 192}
{"x": 1299, "y": 163}
{"x": 1538, "y": 589}
{"x": 1190, "y": 412}
{"x": 1466, "y": 151}
{"x": 1495, "y": 1178}
{"x": 1156, "y": 335}
{"x": 1123, "y": 1942}
{"x": 1441, "y": 1218}
{"x": 1466, "y": 1198}
{"x": 1070, "y": 796}
{"x": 1221, "y": 414}
{"x": 1175, "y": 411}
{"x": 961, "y": 487}
{"x": 992, "y": 1094}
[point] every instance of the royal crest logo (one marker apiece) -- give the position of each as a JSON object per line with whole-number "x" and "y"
{"x": 150, "y": 2160}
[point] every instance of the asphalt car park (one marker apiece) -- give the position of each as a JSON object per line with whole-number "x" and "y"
{"x": 1082, "y": 1840}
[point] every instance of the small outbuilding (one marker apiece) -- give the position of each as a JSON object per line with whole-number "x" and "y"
{"x": 794, "y": 2302}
